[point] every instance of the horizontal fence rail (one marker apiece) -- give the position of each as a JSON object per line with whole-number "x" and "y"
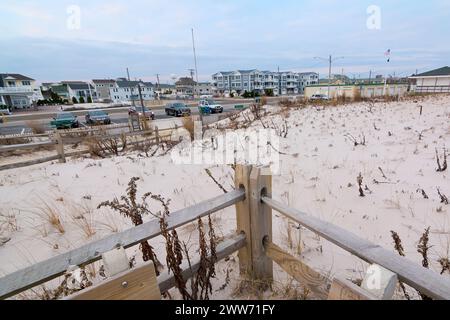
{"x": 31, "y": 145}
{"x": 426, "y": 281}
{"x": 47, "y": 270}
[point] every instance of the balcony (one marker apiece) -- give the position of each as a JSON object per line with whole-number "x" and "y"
{"x": 16, "y": 90}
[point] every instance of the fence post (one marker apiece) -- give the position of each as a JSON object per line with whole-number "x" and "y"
{"x": 157, "y": 135}
{"x": 242, "y": 180}
{"x": 260, "y": 224}
{"x": 60, "y": 147}
{"x": 255, "y": 219}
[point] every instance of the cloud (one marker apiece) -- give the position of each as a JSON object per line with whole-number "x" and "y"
{"x": 155, "y": 36}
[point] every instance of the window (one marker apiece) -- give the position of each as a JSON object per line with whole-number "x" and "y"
{"x": 11, "y": 83}
{"x": 26, "y": 83}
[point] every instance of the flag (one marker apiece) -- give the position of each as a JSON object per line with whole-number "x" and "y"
{"x": 387, "y": 54}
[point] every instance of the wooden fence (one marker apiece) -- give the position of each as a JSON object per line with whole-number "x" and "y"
{"x": 58, "y": 139}
{"x": 252, "y": 198}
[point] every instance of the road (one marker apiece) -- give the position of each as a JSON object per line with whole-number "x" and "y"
{"x": 20, "y": 123}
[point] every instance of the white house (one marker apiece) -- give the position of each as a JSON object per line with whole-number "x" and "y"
{"x": 125, "y": 91}
{"x": 18, "y": 91}
{"x": 254, "y": 80}
{"x": 80, "y": 90}
{"x": 434, "y": 81}
{"x": 103, "y": 89}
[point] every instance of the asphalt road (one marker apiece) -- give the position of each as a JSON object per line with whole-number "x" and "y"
{"x": 19, "y": 124}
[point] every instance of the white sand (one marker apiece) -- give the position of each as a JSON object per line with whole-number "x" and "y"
{"x": 317, "y": 182}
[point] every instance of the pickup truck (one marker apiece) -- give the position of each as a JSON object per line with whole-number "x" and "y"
{"x": 177, "y": 109}
{"x": 211, "y": 105}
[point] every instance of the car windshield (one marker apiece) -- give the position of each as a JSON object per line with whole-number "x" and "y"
{"x": 210, "y": 101}
{"x": 141, "y": 109}
{"x": 66, "y": 115}
{"x": 97, "y": 113}
{"x": 179, "y": 105}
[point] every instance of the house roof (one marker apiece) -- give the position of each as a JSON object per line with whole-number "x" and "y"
{"x": 16, "y": 76}
{"x": 103, "y": 81}
{"x": 185, "y": 82}
{"x": 445, "y": 71}
{"x": 131, "y": 84}
{"x": 78, "y": 85}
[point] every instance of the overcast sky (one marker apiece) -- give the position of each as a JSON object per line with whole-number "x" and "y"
{"x": 43, "y": 40}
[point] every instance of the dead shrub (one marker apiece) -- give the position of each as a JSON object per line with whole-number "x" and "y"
{"x": 422, "y": 248}
{"x": 359, "y": 180}
{"x": 360, "y": 142}
{"x": 256, "y": 110}
{"x": 263, "y": 101}
{"x": 100, "y": 146}
{"x": 176, "y": 251}
{"x": 130, "y": 208}
{"x": 36, "y": 127}
{"x": 438, "y": 160}
{"x": 13, "y": 140}
{"x": 189, "y": 125}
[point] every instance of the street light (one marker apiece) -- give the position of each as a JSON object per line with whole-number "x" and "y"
{"x": 330, "y": 60}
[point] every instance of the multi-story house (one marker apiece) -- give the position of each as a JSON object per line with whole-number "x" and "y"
{"x": 125, "y": 91}
{"x": 306, "y": 79}
{"x": 80, "y": 90}
{"x": 103, "y": 89}
{"x": 261, "y": 81}
{"x": 185, "y": 86}
{"x": 69, "y": 90}
{"x": 17, "y": 91}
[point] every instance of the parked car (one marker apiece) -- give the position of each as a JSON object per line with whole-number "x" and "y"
{"x": 97, "y": 117}
{"x": 211, "y": 104}
{"x": 5, "y": 112}
{"x": 319, "y": 97}
{"x": 139, "y": 110}
{"x": 65, "y": 120}
{"x": 177, "y": 109}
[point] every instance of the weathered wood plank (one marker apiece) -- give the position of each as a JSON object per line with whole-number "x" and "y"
{"x": 31, "y": 145}
{"x": 300, "y": 271}
{"x": 46, "y": 270}
{"x": 136, "y": 284}
{"x": 260, "y": 224}
{"x": 242, "y": 180}
{"x": 60, "y": 147}
{"x": 427, "y": 281}
{"x": 225, "y": 248}
{"x": 342, "y": 289}
{"x": 28, "y": 163}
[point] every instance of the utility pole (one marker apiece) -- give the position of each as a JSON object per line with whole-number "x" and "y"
{"x": 191, "y": 72}
{"x": 279, "y": 81}
{"x": 132, "y": 99}
{"x": 140, "y": 96}
{"x": 195, "y": 59}
{"x": 330, "y": 61}
{"x": 157, "y": 79}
